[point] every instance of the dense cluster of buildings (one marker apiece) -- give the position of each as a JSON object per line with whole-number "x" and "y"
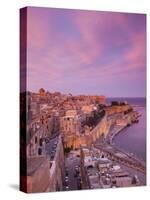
{"x": 50, "y": 116}
{"x": 57, "y": 123}
{"x": 98, "y": 171}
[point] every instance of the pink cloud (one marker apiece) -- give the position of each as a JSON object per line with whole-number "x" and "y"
{"x": 137, "y": 55}
{"x": 52, "y": 55}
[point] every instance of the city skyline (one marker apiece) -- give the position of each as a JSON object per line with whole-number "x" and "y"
{"x": 86, "y": 52}
{"x": 69, "y": 93}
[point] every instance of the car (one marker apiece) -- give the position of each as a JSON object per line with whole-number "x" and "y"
{"x": 66, "y": 184}
{"x": 67, "y": 187}
{"x": 66, "y": 178}
{"x": 77, "y": 170}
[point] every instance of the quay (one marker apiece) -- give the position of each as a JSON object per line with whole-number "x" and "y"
{"x": 122, "y": 157}
{"x": 114, "y": 153}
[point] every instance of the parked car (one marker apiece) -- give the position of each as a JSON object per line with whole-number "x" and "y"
{"x": 66, "y": 178}
{"x": 66, "y": 184}
{"x": 67, "y": 187}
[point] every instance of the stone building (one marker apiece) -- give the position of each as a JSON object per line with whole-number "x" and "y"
{"x": 74, "y": 141}
{"x": 42, "y": 92}
{"x": 37, "y": 178}
{"x": 57, "y": 168}
{"x": 44, "y": 173}
{"x": 70, "y": 123}
{"x": 110, "y": 110}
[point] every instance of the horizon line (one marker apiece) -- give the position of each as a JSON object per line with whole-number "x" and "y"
{"x": 93, "y": 95}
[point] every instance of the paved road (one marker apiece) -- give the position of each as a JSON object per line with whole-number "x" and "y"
{"x": 122, "y": 157}
{"x": 51, "y": 147}
{"x": 70, "y": 162}
{"x": 132, "y": 172}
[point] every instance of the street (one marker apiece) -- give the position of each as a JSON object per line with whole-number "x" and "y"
{"x": 71, "y": 162}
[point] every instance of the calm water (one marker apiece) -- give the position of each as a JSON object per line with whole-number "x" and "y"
{"x": 133, "y": 138}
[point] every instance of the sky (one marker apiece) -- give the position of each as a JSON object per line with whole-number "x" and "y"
{"x": 86, "y": 52}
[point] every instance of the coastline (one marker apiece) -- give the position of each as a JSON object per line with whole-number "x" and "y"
{"x": 116, "y": 133}
{"x": 124, "y": 138}
{"x": 119, "y": 128}
{"x": 133, "y": 140}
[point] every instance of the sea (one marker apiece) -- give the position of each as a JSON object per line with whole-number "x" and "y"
{"x": 133, "y": 139}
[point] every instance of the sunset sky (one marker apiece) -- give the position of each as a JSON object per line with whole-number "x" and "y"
{"x": 86, "y": 52}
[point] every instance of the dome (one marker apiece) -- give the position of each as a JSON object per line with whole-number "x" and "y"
{"x": 41, "y": 90}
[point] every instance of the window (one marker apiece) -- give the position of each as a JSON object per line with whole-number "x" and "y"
{"x": 39, "y": 151}
{"x": 35, "y": 139}
{"x": 41, "y": 141}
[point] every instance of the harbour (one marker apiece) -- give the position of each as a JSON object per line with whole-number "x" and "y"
{"x": 133, "y": 139}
